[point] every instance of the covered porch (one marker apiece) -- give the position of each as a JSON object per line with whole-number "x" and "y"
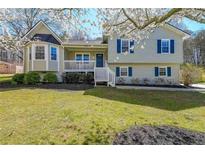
{"x": 84, "y": 58}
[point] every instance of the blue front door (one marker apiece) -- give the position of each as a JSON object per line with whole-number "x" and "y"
{"x": 99, "y": 60}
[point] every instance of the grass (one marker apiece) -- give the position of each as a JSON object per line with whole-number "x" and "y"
{"x": 5, "y": 78}
{"x": 203, "y": 78}
{"x": 94, "y": 116}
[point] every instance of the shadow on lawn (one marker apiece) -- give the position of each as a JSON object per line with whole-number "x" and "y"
{"x": 167, "y": 100}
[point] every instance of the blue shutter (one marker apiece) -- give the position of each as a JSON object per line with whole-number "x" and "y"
{"x": 156, "y": 70}
{"x": 117, "y": 71}
{"x": 132, "y": 46}
{"x": 159, "y": 46}
{"x": 172, "y": 46}
{"x": 118, "y": 45}
{"x": 130, "y": 71}
{"x": 169, "y": 72}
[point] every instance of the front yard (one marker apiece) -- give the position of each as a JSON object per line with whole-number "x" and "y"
{"x": 94, "y": 116}
{"x": 5, "y": 78}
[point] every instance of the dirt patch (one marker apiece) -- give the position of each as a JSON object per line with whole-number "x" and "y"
{"x": 161, "y": 135}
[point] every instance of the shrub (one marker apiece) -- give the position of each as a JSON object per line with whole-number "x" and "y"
{"x": 135, "y": 81}
{"x": 50, "y": 77}
{"x": 71, "y": 77}
{"x": 146, "y": 81}
{"x": 190, "y": 74}
{"x": 82, "y": 78}
{"x": 121, "y": 80}
{"x": 32, "y": 78}
{"x": 170, "y": 82}
{"x": 160, "y": 81}
{"x": 18, "y": 79}
{"x": 89, "y": 78}
{"x": 78, "y": 78}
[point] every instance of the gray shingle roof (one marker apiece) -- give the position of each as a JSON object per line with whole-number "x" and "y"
{"x": 46, "y": 38}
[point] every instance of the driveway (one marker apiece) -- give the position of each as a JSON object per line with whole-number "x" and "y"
{"x": 198, "y": 85}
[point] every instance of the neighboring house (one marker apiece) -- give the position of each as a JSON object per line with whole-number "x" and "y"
{"x": 10, "y": 63}
{"x": 120, "y": 60}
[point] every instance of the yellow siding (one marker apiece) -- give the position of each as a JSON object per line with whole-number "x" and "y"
{"x": 70, "y": 55}
{"x": 39, "y": 65}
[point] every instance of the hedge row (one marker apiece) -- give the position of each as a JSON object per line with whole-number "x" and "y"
{"x": 87, "y": 78}
{"x": 33, "y": 78}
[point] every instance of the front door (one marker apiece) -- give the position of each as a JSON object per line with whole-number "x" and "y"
{"x": 99, "y": 60}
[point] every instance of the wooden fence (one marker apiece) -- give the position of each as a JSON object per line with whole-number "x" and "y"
{"x": 8, "y": 68}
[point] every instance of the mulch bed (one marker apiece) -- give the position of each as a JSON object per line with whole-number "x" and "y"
{"x": 159, "y": 135}
{"x": 50, "y": 86}
{"x": 153, "y": 85}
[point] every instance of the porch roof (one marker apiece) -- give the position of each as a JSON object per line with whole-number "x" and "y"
{"x": 85, "y": 44}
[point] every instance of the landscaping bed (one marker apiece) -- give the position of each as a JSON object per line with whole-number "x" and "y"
{"x": 151, "y": 135}
{"x": 154, "y": 85}
{"x": 49, "y": 86}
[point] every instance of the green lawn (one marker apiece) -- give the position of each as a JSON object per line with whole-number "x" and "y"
{"x": 5, "y": 78}
{"x": 37, "y": 116}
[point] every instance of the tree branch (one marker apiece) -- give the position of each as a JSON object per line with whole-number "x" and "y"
{"x": 156, "y": 20}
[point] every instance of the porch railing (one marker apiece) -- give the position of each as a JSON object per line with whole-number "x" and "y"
{"x": 104, "y": 74}
{"x": 73, "y": 65}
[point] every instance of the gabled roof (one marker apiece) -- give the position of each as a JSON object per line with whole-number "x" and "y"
{"x": 46, "y": 38}
{"x": 178, "y": 29}
{"x": 41, "y": 22}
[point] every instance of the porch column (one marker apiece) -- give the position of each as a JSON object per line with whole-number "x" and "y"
{"x": 32, "y": 55}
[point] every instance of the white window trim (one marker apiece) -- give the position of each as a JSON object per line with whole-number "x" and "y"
{"x": 169, "y": 46}
{"x": 34, "y": 54}
{"x": 45, "y": 55}
{"x": 56, "y": 53}
{"x": 128, "y": 45}
{"x": 82, "y": 53}
{"x": 165, "y": 71}
{"x": 127, "y": 71}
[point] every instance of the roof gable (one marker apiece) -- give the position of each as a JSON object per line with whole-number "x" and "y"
{"x": 45, "y": 37}
{"x": 177, "y": 30}
{"x": 43, "y": 31}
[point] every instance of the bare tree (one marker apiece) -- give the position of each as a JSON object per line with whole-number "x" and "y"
{"x": 16, "y": 22}
{"x": 194, "y": 49}
{"x": 136, "y": 22}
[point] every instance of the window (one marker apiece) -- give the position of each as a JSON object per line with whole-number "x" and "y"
{"x": 82, "y": 57}
{"x": 78, "y": 57}
{"x": 165, "y": 46}
{"x": 86, "y": 57}
{"x": 4, "y": 55}
{"x": 123, "y": 71}
{"x": 162, "y": 71}
{"x": 40, "y": 53}
{"x": 53, "y": 53}
{"x": 125, "y": 46}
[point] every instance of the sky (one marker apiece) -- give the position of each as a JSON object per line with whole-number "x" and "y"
{"x": 193, "y": 25}
{"x": 94, "y": 31}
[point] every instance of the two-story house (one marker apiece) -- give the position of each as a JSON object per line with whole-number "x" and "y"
{"x": 117, "y": 60}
